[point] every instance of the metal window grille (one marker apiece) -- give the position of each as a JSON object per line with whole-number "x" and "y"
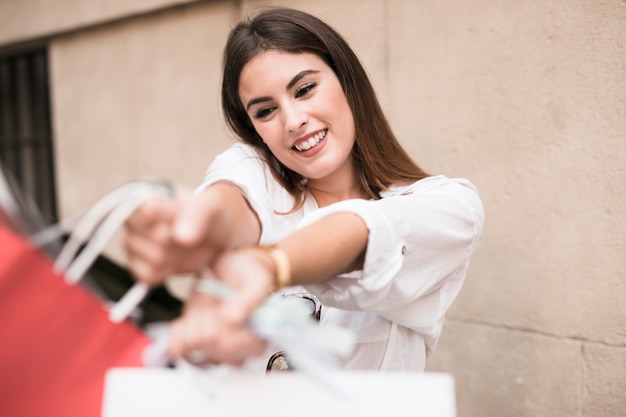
{"x": 26, "y": 148}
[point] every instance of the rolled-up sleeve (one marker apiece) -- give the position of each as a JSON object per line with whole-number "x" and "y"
{"x": 420, "y": 242}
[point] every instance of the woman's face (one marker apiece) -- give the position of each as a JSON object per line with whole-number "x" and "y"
{"x": 299, "y": 109}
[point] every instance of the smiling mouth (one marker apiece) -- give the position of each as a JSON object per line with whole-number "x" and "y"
{"x": 311, "y": 142}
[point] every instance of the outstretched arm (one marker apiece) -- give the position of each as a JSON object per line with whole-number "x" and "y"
{"x": 333, "y": 245}
{"x": 328, "y": 247}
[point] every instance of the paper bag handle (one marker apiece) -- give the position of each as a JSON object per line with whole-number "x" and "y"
{"x": 101, "y": 222}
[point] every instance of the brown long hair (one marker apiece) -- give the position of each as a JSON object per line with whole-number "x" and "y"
{"x": 379, "y": 159}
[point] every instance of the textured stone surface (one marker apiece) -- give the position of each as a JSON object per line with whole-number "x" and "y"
{"x": 604, "y": 379}
{"x": 138, "y": 99}
{"x": 510, "y": 373}
{"x": 25, "y": 20}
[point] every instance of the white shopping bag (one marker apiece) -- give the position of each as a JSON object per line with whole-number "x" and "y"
{"x": 131, "y": 392}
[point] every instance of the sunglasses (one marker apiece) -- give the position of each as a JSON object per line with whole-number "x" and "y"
{"x": 279, "y": 362}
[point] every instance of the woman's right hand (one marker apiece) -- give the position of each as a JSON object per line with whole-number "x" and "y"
{"x": 165, "y": 237}
{"x": 152, "y": 250}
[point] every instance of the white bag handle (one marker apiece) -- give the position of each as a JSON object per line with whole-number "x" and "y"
{"x": 101, "y": 222}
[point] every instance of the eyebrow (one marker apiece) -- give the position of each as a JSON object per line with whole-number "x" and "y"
{"x": 290, "y": 85}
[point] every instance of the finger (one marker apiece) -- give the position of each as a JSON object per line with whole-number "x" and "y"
{"x": 250, "y": 275}
{"x": 196, "y": 327}
{"x": 237, "y": 346}
{"x": 238, "y": 309}
{"x": 187, "y": 337}
{"x": 155, "y": 210}
{"x": 149, "y": 259}
{"x": 193, "y": 220}
{"x": 202, "y": 339}
{"x": 146, "y": 272}
{"x": 154, "y": 243}
{"x": 232, "y": 346}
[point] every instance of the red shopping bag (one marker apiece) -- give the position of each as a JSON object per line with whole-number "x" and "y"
{"x": 56, "y": 339}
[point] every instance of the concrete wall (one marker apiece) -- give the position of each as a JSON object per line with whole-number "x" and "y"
{"x": 527, "y": 99}
{"x": 26, "y": 20}
{"x": 138, "y": 99}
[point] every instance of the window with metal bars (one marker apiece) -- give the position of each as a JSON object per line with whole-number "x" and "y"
{"x": 26, "y": 148}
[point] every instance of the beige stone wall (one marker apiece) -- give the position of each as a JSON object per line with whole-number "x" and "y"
{"x": 137, "y": 99}
{"x": 26, "y": 20}
{"x": 527, "y": 99}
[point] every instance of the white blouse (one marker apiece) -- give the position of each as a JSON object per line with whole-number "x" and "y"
{"x": 421, "y": 238}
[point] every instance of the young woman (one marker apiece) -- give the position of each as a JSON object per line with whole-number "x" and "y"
{"x": 319, "y": 176}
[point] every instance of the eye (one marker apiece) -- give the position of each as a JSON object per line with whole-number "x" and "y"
{"x": 305, "y": 89}
{"x": 263, "y": 113}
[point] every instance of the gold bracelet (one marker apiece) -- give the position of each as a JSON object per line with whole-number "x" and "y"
{"x": 282, "y": 278}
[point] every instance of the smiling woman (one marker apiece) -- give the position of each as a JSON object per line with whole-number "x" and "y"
{"x": 321, "y": 180}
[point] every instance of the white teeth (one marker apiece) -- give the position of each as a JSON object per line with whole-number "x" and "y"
{"x": 314, "y": 140}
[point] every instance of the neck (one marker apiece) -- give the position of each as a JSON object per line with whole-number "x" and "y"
{"x": 329, "y": 192}
{"x": 342, "y": 184}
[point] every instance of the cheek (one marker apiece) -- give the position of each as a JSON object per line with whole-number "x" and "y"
{"x": 348, "y": 122}
{"x": 270, "y": 137}
{"x": 342, "y": 108}
{"x": 262, "y": 130}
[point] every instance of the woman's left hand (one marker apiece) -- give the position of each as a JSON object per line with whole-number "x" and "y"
{"x": 214, "y": 330}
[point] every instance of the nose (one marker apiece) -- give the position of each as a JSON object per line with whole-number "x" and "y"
{"x": 295, "y": 117}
